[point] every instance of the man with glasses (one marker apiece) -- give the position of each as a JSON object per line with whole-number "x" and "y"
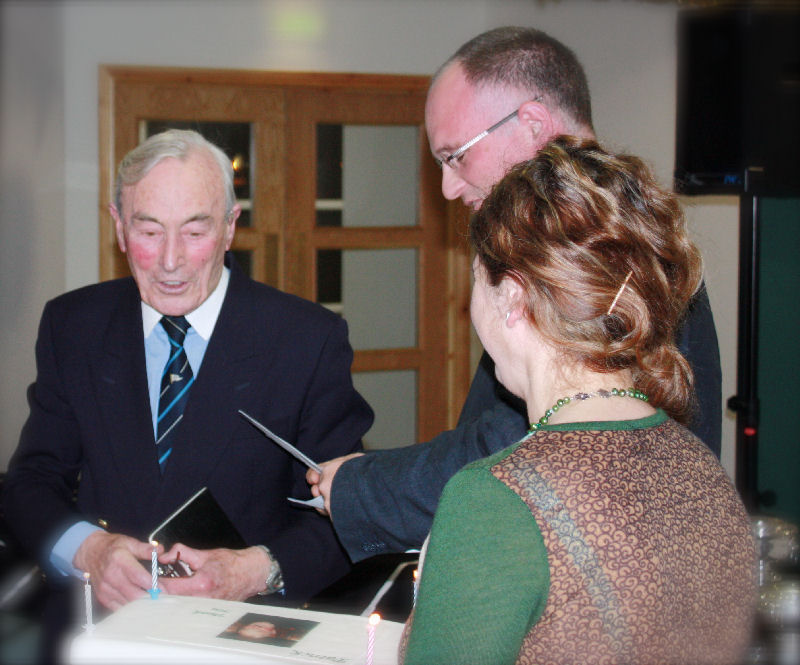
{"x": 494, "y": 103}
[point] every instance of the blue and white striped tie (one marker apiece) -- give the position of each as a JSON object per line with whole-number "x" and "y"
{"x": 175, "y": 384}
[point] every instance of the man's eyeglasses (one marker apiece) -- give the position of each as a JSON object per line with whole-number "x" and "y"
{"x": 458, "y": 153}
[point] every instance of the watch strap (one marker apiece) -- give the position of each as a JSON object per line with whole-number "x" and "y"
{"x": 275, "y": 575}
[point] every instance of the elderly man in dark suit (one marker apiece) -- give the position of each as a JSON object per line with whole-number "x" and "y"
{"x": 102, "y": 445}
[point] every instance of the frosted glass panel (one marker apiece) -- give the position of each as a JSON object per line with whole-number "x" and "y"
{"x": 393, "y": 397}
{"x": 380, "y": 166}
{"x": 379, "y": 297}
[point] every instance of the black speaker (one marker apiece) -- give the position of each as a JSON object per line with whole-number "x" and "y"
{"x": 738, "y": 115}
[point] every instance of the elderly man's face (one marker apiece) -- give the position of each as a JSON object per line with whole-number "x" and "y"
{"x": 456, "y": 112}
{"x": 173, "y": 228}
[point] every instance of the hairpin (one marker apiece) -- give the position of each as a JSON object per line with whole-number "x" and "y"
{"x": 619, "y": 293}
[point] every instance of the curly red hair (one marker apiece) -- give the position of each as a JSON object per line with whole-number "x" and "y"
{"x": 569, "y": 226}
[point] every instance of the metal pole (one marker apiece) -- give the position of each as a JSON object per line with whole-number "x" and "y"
{"x": 745, "y": 403}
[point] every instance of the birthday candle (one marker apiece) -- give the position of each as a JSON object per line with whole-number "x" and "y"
{"x": 416, "y": 586}
{"x": 154, "y": 564}
{"x": 374, "y": 619}
{"x": 87, "y": 595}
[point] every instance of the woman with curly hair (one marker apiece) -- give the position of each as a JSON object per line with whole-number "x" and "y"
{"x": 610, "y": 533}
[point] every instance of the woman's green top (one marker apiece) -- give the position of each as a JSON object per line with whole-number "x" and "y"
{"x": 528, "y": 549}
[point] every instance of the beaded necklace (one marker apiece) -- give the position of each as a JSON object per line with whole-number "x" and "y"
{"x": 614, "y": 392}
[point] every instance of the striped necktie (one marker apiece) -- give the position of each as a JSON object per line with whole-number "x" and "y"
{"x": 175, "y": 384}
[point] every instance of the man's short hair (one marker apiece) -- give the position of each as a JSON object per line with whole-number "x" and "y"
{"x": 179, "y": 144}
{"x": 528, "y": 59}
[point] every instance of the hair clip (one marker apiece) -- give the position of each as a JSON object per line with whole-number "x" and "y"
{"x": 619, "y": 293}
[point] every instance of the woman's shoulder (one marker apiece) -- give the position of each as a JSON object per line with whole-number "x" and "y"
{"x": 486, "y": 463}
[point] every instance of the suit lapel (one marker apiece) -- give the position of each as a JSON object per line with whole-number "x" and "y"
{"x": 122, "y": 397}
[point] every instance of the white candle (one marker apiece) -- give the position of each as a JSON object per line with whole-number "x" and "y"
{"x": 416, "y": 586}
{"x": 87, "y": 596}
{"x": 374, "y": 619}
{"x": 154, "y": 565}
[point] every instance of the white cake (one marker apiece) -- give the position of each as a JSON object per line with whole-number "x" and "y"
{"x": 177, "y": 629}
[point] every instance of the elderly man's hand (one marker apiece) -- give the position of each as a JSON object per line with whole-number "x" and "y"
{"x": 218, "y": 573}
{"x": 115, "y": 570}
{"x": 321, "y": 483}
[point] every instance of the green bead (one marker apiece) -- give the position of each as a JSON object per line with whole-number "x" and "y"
{"x": 624, "y": 392}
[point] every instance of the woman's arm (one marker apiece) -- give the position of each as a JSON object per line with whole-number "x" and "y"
{"x": 485, "y": 576}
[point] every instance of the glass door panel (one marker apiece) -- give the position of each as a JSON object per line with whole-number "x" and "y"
{"x": 380, "y": 176}
{"x": 367, "y": 175}
{"x": 367, "y": 183}
{"x": 393, "y": 397}
{"x": 379, "y": 297}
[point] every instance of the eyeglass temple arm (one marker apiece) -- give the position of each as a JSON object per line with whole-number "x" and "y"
{"x": 480, "y": 136}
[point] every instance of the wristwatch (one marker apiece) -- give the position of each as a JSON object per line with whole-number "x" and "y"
{"x": 275, "y": 577}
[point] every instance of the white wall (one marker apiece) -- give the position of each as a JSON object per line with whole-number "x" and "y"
{"x": 32, "y": 225}
{"x": 51, "y": 185}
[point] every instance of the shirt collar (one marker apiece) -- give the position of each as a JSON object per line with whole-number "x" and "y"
{"x": 203, "y": 319}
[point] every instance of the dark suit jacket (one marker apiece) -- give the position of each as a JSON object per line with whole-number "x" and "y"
{"x": 385, "y": 501}
{"x": 283, "y": 360}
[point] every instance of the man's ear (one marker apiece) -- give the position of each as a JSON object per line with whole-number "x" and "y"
{"x": 118, "y": 227}
{"x": 537, "y": 118}
{"x": 230, "y": 222}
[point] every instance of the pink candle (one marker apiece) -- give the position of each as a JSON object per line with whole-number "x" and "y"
{"x": 87, "y": 596}
{"x": 374, "y": 619}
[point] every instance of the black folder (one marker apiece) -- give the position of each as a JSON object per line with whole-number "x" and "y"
{"x": 199, "y": 523}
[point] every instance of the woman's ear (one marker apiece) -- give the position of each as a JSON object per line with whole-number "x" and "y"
{"x": 513, "y": 303}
